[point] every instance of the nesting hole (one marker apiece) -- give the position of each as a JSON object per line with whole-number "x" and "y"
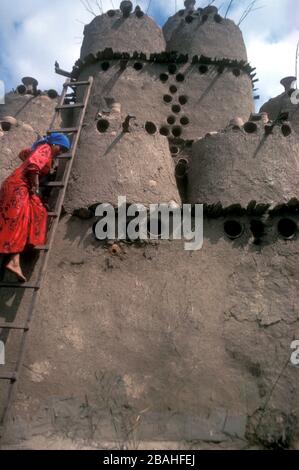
{"x": 138, "y": 66}
{"x": 181, "y": 168}
{"x": 22, "y": 89}
{"x": 167, "y": 98}
{"x": 164, "y": 77}
{"x": 183, "y": 100}
{"x": 111, "y": 13}
{"x": 176, "y": 108}
{"x": 171, "y": 120}
{"x": 173, "y": 89}
{"x": 185, "y": 121}
{"x": 177, "y": 131}
{"x": 174, "y": 150}
{"x": 105, "y": 66}
{"x": 269, "y": 129}
{"x": 250, "y": 127}
{"x": 233, "y": 229}
{"x": 284, "y": 116}
{"x": 180, "y": 77}
{"x": 5, "y": 126}
{"x": 52, "y": 94}
{"x": 286, "y": 130}
{"x": 217, "y": 18}
{"x": 203, "y": 69}
{"x": 103, "y": 125}
{"x": 204, "y": 18}
{"x": 150, "y": 128}
{"x": 287, "y": 228}
{"x": 237, "y": 72}
{"x": 172, "y": 68}
{"x": 189, "y": 19}
{"x": 164, "y": 131}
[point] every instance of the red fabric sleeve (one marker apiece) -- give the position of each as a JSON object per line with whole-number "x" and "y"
{"x": 39, "y": 159}
{"x": 24, "y": 154}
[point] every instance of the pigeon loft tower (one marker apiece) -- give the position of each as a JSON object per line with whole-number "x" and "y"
{"x": 146, "y": 338}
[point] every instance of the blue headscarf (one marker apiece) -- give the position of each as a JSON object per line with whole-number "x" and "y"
{"x": 53, "y": 139}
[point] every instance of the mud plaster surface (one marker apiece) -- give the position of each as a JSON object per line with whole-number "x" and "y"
{"x": 176, "y": 346}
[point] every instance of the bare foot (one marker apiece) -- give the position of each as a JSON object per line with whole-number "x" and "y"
{"x": 16, "y": 270}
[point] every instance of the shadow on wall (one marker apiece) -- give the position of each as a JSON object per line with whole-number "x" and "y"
{"x": 11, "y": 298}
{"x": 80, "y": 230}
{"x": 208, "y": 89}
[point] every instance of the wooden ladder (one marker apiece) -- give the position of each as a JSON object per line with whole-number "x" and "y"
{"x": 11, "y": 378}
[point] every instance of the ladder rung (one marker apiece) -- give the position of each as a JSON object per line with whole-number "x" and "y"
{"x": 41, "y": 248}
{"x": 53, "y": 184}
{"x": 54, "y": 215}
{"x": 64, "y": 130}
{"x": 65, "y": 156}
{"x": 70, "y": 106}
{"x": 8, "y": 376}
{"x": 19, "y": 285}
{"x": 13, "y": 326}
{"x": 87, "y": 82}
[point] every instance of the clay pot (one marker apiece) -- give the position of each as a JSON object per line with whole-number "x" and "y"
{"x": 126, "y": 7}
{"x": 115, "y": 249}
{"x": 116, "y": 108}
{"x": 138, "y": 12}
{"x": 265, "y": 117}
{"x": 27, "y": 127}
{"x": 210, "y": 10}
{"x": 189, "y": 4}
{"x": 236, "y": 122}
{"x": 10, "y": 119}
{"x": 288, "y": 83}
{"x": 31, "y": 84}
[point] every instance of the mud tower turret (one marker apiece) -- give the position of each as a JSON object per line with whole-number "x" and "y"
{"x": 175, "y": 97}
{"x": 123, "y": 30}
{"x": 239, "y": 165}
{"x": 204, "y": 32}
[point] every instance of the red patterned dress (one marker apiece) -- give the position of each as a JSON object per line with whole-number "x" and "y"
{"x": 23, "y": 217}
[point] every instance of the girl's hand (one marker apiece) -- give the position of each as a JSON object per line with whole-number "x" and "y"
{"x": 34, "y": 190}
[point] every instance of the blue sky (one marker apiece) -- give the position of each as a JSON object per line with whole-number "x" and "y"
{"x": 35, "y": 33}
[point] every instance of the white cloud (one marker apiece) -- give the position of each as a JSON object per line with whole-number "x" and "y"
{"x": 47, "y": 31}
{"x": 50, "y": 31}
{"x": 273, "y": 61}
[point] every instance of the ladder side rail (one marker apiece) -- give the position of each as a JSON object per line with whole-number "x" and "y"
{"x": 44, "y": 264}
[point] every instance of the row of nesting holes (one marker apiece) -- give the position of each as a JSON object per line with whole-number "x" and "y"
{"x": 151, "y": 129}
{"x": 106, "y": 66}
{"x": 203, "y": 69}
{"x": 172, "y": 69}
{"x": 286, "y": 228}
